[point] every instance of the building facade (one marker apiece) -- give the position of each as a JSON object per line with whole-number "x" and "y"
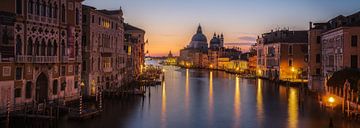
{"x": 333, "y": 45}
{"x": 135, "y": 51}
{"x": 103, "y": 49}
{"x": 282, "y": 55}
{"x": 40, "y": 56}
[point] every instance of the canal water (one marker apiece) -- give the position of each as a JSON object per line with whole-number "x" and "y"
{"x": 192, "y": 98}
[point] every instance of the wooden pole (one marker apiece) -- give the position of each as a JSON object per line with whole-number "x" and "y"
{"x": 8, "y": 108}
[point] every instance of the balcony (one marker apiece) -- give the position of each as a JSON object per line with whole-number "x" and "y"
{"x": 36, "y": 59}
{"x": 45, "y": 59}
{"x": 79, "y": 59}
{"x": 64, "y": 59}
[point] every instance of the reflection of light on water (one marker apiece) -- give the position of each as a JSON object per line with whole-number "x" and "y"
{"x": 259, "y": 102}
{"x": 187, "y": 91}
{"x": 293, "y": 108}
{"x": 211, "y": 100}
{"x": 163, "y": 105}
{"x": 237, "y": 102}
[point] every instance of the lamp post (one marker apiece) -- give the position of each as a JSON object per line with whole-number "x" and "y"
{"x": 331, "y": 101}
{"x": 80, "y": 92}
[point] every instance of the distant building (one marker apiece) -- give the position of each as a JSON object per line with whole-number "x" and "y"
{"x": 198, "y": 54}
{"x": 103, "y": 49}
{"x": 282, "y": 55}
{"x": 135, "y": 52}
{"x": 40, "y": 51}
{"x": 333, "y": 45}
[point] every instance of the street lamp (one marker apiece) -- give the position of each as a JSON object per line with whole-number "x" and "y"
{"x": 331, "y": 101}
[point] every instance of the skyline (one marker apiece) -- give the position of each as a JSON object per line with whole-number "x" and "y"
{"x": 174, "y": 22}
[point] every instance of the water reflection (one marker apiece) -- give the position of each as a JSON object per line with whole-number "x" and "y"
{"x": 259, "y": 102}
{"x": 187, "y": 91}
{"x": 163, "y": 105}
{"x": 237, "y": 102}
{"x": 293, "y": 108}
{"x": 211, "y": 99}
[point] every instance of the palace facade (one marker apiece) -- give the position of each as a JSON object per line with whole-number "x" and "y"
{"x": 40, "y": 50}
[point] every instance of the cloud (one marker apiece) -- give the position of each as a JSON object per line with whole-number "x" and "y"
{"x": 240, "y": 44}
{"x": 247, "y": 38}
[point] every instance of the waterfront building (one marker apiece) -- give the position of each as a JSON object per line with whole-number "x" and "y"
{"x": 103, "y": 49}
{"x": 135, "y": 52}
{"x": 40, "y": 51}
{"x": 198, "y": 54}
{"x": 333, "y": 45}
{"x": 171, "y": 59}
{"x": 282, "y": 54}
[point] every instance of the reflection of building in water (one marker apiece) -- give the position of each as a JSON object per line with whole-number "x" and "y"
{"x": 198, "y": 54}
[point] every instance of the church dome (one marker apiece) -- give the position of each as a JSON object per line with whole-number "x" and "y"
{"x": 215, "y": 40}
{"x": 199, "y": 40}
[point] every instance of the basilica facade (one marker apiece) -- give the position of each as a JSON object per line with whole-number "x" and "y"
{"x": 200, "y": 54}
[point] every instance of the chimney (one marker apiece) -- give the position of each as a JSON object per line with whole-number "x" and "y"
{"x": 310, "y": 25}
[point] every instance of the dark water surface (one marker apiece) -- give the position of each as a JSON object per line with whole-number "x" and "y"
{"x": 199, "y": 99}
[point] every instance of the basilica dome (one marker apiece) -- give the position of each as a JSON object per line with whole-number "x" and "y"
{"x": 199, "y": 40}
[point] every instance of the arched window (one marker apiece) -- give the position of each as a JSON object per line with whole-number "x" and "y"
{"x": 30, "y": 46}
{"x": 55, "y": 11}
{"x": 19, "y": 7}
{"x": 62, "y": 13}
{"x": 76, "y": 49}
{"x": 49, "y": 48}
{"x": 50, "y": 9}
{"x": 77, "y": 17}
{"x": 43, "y": 8}
{"x": 30, "y": 6}
{"x": 37, "y": 49}
{"x": 43, "y": 47}
{"x": 55, "y": 48}
{"x": 63, "y": 48}
{"x": 18, "y": 45}
{"x": 37, "y": 7}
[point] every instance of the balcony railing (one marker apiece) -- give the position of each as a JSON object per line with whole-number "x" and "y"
{"x": 64, "y": 59}
{"x": 36, "y": 59}
{"x": 79, "y": 59}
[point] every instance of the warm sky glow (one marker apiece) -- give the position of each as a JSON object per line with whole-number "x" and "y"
{"x": 170, "y": 24}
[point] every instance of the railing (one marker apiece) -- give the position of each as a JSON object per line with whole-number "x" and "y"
{"x": 45, "y": 59}
{"x": 79, "y": 59}
{"x": 24, "y": 59}
{"x": 64, "y": 59}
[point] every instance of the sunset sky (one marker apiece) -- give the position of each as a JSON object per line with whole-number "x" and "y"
{"x": 170, "y": 24}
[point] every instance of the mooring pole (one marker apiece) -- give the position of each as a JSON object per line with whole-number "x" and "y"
{"x": 100, "y": 103}
{"x": 8, "y": 108}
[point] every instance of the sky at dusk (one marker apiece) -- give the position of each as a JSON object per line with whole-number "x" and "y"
{"x": 170, "y": 24}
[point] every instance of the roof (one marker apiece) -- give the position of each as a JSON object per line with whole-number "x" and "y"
{"x": 111, "y": 12}
{"x": 340, "y": 21}
{"x": 285, "y": 36}
{"x": 130, "y": 27}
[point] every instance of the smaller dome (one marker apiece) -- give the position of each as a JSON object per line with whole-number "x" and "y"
{"x": 215, "y": 41}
